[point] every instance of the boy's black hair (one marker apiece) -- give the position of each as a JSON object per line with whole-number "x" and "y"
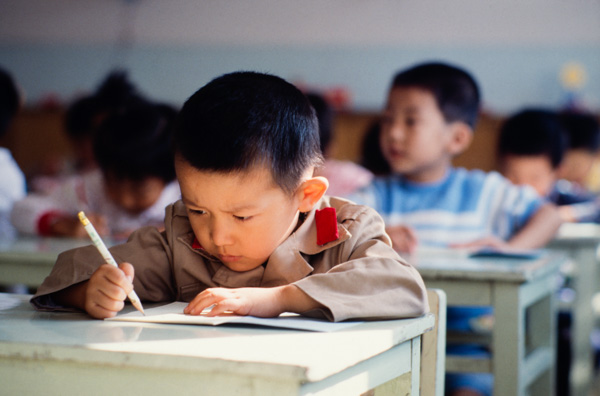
{"x": 371, "y": 157}
{"x": 137, "y": 143}
{"x": 455, "y": 90}
{"x": 324, "y": 116}
{"x": 9, "y": 100}
{"x": 533, "y": 132}
{"x": 583, "y": 130}
{"x": 244, "y": 119}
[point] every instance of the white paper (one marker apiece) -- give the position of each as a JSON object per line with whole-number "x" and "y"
{"x": 173, "y": 313}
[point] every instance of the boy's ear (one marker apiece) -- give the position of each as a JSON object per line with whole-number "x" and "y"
{"x": 462, "y": 136}
{"x": 311, "y": 190}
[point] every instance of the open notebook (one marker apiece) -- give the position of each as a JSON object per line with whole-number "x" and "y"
{"x": 173, "y": 313}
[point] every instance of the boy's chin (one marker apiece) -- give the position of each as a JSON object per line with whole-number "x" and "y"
{"x": 241, "y": 265}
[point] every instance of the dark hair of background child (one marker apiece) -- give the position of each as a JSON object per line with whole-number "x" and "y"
{"x": 137, "y": 143}
{"x": 583, "y": 130}
{"x": 533, "y": 132}
{"x": 455, "y": 90}
{"x": 324, "y": 116}
{"x": 9, "y": 100}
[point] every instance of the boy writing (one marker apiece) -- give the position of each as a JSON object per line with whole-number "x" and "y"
{"x": 429, "y": 118}
{"x": 253, "y": 233}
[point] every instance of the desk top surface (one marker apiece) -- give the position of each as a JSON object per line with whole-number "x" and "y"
{"x": 453, "y": 265}
{"x": 26, "y": 333}
{"x": 577, "y": 234}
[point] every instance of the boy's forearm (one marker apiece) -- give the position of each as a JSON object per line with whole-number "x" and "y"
{"x": 295, "y": 300}
{"x": 539, "y": 230}
{"x": 72, "y": 296}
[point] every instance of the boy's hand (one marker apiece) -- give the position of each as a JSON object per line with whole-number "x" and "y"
{"x": 403, "y": 238}
{"x": 255, "y": 301}
{"x": 107, "y": 290}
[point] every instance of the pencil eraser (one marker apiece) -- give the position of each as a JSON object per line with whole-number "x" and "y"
{"x": 327, "y": 226}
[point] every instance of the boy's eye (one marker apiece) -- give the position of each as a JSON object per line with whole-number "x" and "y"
{"x": 410, "y": 121}
{"x": 197, "y": 211}
{"x": 386, "y": 120}
{"x": 242, "y": 218}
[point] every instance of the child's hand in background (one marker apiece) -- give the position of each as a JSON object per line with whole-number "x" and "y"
{"x": 70, "y": 226}
{"x": 403, "y": 238}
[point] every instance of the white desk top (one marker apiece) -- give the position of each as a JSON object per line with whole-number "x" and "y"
{"x": 74, "y": 337}
{"x": 437, "y": 265}
{"x": 576, "y": 235}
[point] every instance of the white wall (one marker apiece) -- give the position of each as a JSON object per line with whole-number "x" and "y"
{"x": 515, "y": 48}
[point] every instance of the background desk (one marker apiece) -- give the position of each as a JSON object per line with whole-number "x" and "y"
{"x": 28, "y": 260}
{"x": 65, "y": 353}
{"x": 581, "y": 243}
{"x": 523, "y": 353}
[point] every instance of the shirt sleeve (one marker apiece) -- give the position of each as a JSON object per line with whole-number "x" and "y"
{"x": 371, "y": 282}
{"x": 512, "y": 206}
{"x": 147, "y": 250}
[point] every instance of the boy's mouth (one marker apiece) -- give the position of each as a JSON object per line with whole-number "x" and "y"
{"x": 226, "y": 258}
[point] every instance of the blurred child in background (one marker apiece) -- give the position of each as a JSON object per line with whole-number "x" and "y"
{"x": 12, "y": 180}
{"x": 134, "y": 183}
{"x": 82, "y": 118}
{"x": 344, "y": 177}
{"x": 531, "y": 147}
{"x": 581, "y": 164}
{"x": 429, "y": 118}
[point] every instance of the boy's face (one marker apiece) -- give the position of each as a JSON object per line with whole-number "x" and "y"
{"x": 238, "y": 217}
{"x": 132, "y": 195}
{"x": 576, "y": 166}
{"x": 533, "y": 170}
{"x": 414, "y": 135}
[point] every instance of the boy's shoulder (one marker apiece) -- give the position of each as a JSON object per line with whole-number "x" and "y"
{"x": 344, "y": 208}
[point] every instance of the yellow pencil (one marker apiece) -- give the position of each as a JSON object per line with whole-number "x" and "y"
{"x": 135, "y": 300}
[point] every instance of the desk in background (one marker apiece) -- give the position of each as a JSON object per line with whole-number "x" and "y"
{"x": 28, "y": 260}
{"x": 581, "y": 242}
{"x": 69, "y": 353}
{"x": 523, "y": 350}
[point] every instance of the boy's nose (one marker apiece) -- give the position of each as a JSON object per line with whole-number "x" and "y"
{"x": 396, "y": 131}
{"x": 220, "y": 235}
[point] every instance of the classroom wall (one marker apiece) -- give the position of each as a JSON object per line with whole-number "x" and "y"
{"x": 61, "y": 48}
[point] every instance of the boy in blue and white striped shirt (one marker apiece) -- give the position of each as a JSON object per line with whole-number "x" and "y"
{"x": 431, "y": 111}
{"x": 429, "y": 119}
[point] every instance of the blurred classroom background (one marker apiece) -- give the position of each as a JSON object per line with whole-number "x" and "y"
{"x": 540, "y": 53}
{"x": 535, "y": 53}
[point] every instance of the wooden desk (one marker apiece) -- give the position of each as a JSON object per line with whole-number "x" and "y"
{"x": 28, "y": 260}
{"x": 69, "y": 353}
{"x": 523, "y": 347}
{"x": 581, "y": 242}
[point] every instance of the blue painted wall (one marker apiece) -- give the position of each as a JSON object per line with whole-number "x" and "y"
{"x": 510, "y": 76}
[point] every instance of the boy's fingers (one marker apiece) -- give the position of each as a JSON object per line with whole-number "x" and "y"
{"x": 128, "y": 270}
{"x": 204, "y": 300}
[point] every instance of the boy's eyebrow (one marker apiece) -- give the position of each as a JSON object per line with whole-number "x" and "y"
{"x": 229, "y": 210}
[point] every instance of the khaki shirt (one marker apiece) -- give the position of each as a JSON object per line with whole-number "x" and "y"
{"x": 357, "y": 276}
